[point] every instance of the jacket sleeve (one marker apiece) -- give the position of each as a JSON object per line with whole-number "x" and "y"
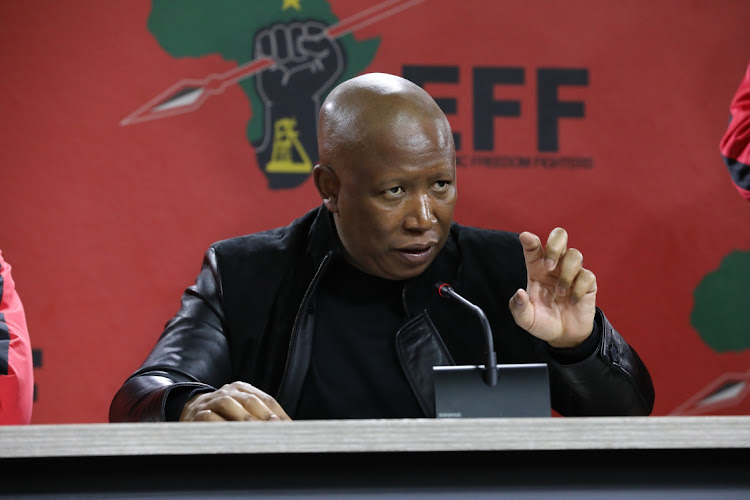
{"x": 192, "y": 353}
{"x": 735, "y": 144}
{"x": 611, "y": 381}
{"x": 16, "y": 366}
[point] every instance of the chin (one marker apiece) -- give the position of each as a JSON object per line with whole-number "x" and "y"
{"x": 407, "y": 274}
{"x": 396, "y": 272}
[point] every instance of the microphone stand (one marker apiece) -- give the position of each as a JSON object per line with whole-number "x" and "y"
{"x": 490, "y": 371}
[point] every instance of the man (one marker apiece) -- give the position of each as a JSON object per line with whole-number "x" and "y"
{"x": 337, "y": 316}
{"x": 16, "y": 368}
{"x": 735, "y": 143}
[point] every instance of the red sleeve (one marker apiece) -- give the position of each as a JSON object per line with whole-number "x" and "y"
{"x": 735, "y": 145}
{"x": 16, "y": 366}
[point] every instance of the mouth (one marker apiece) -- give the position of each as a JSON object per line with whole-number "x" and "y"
{"x": 417, "y": 254}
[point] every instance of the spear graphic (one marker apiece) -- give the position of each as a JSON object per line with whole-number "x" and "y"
{"x": 726, "y": 391}
{"x": 189, "y": 94}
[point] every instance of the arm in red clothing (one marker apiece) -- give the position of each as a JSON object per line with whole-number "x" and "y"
{"x": 735, "y": 145}
{"x": 16, "y": 367}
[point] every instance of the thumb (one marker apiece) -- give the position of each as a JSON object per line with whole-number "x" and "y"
{"x": 521, "y": 309}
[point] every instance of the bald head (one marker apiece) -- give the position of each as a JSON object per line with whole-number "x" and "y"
{"x": 387, "y": 173}
{"x": 366, "y": 111}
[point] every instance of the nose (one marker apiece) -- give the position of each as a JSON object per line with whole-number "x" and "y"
{"x": 420, "y": 215}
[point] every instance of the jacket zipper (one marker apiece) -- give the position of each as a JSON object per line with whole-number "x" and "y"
{"x": 295, "y": 327}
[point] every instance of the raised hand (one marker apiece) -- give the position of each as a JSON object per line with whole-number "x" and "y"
{"x": 559, "y": 303}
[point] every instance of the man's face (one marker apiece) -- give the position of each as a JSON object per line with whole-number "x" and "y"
{"x": 396, "y": 199}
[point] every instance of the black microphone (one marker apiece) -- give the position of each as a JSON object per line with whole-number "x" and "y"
{"x": 490, "y": 369}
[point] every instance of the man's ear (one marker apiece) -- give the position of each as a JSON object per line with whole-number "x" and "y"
{"x": 327, "y": 183}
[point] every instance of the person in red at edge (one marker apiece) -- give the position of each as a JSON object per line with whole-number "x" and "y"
{"x": 735, "y": 145}
{"x": 16, "y": 368}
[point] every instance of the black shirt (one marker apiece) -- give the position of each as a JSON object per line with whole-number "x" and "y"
{"x": 354, "y": 370}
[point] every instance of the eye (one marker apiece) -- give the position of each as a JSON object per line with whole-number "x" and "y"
{"x": 394, "y": 191}
{"x": 441, "y": 186}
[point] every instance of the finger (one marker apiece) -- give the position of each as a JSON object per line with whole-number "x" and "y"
{"x": 532, "y": 247}
{"x": 584, "y": 283}
{"x": 258, "y": 409}
{"x": 229, "y": 408}
{"x": 570, "y": 265}
{"x": 268, "y": 400}
{"x": 315, "y": 43}
{"x": 521, "y": 309}
{"x": 283, "y": 44}
{"x": 207, "y": 416}
{"x": 199, "y": 403}
{"x": 264, "y": 45}
{"x": 315, "y": 29}
{"x": 557, "y": 242}
{"x": 295, "y": 33}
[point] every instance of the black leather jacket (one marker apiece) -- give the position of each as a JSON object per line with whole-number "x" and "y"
{"x": 251, "y": 314}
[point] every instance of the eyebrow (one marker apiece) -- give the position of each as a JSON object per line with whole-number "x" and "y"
{"x": 443, "y": 173}
{"x": 389, "y": 182}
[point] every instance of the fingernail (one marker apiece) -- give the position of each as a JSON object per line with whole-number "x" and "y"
{"x": 518, "y": 300}
{"x": 561, "y": 290}
{"x": 549, "y": 264}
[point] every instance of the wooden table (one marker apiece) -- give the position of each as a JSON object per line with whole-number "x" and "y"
{"x": 696, "y": 457}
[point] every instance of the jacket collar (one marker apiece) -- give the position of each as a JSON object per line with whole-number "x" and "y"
{"x": 322, "y": 237}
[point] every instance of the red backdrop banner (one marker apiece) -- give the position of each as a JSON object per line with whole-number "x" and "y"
{"x": 135, "y": 134}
